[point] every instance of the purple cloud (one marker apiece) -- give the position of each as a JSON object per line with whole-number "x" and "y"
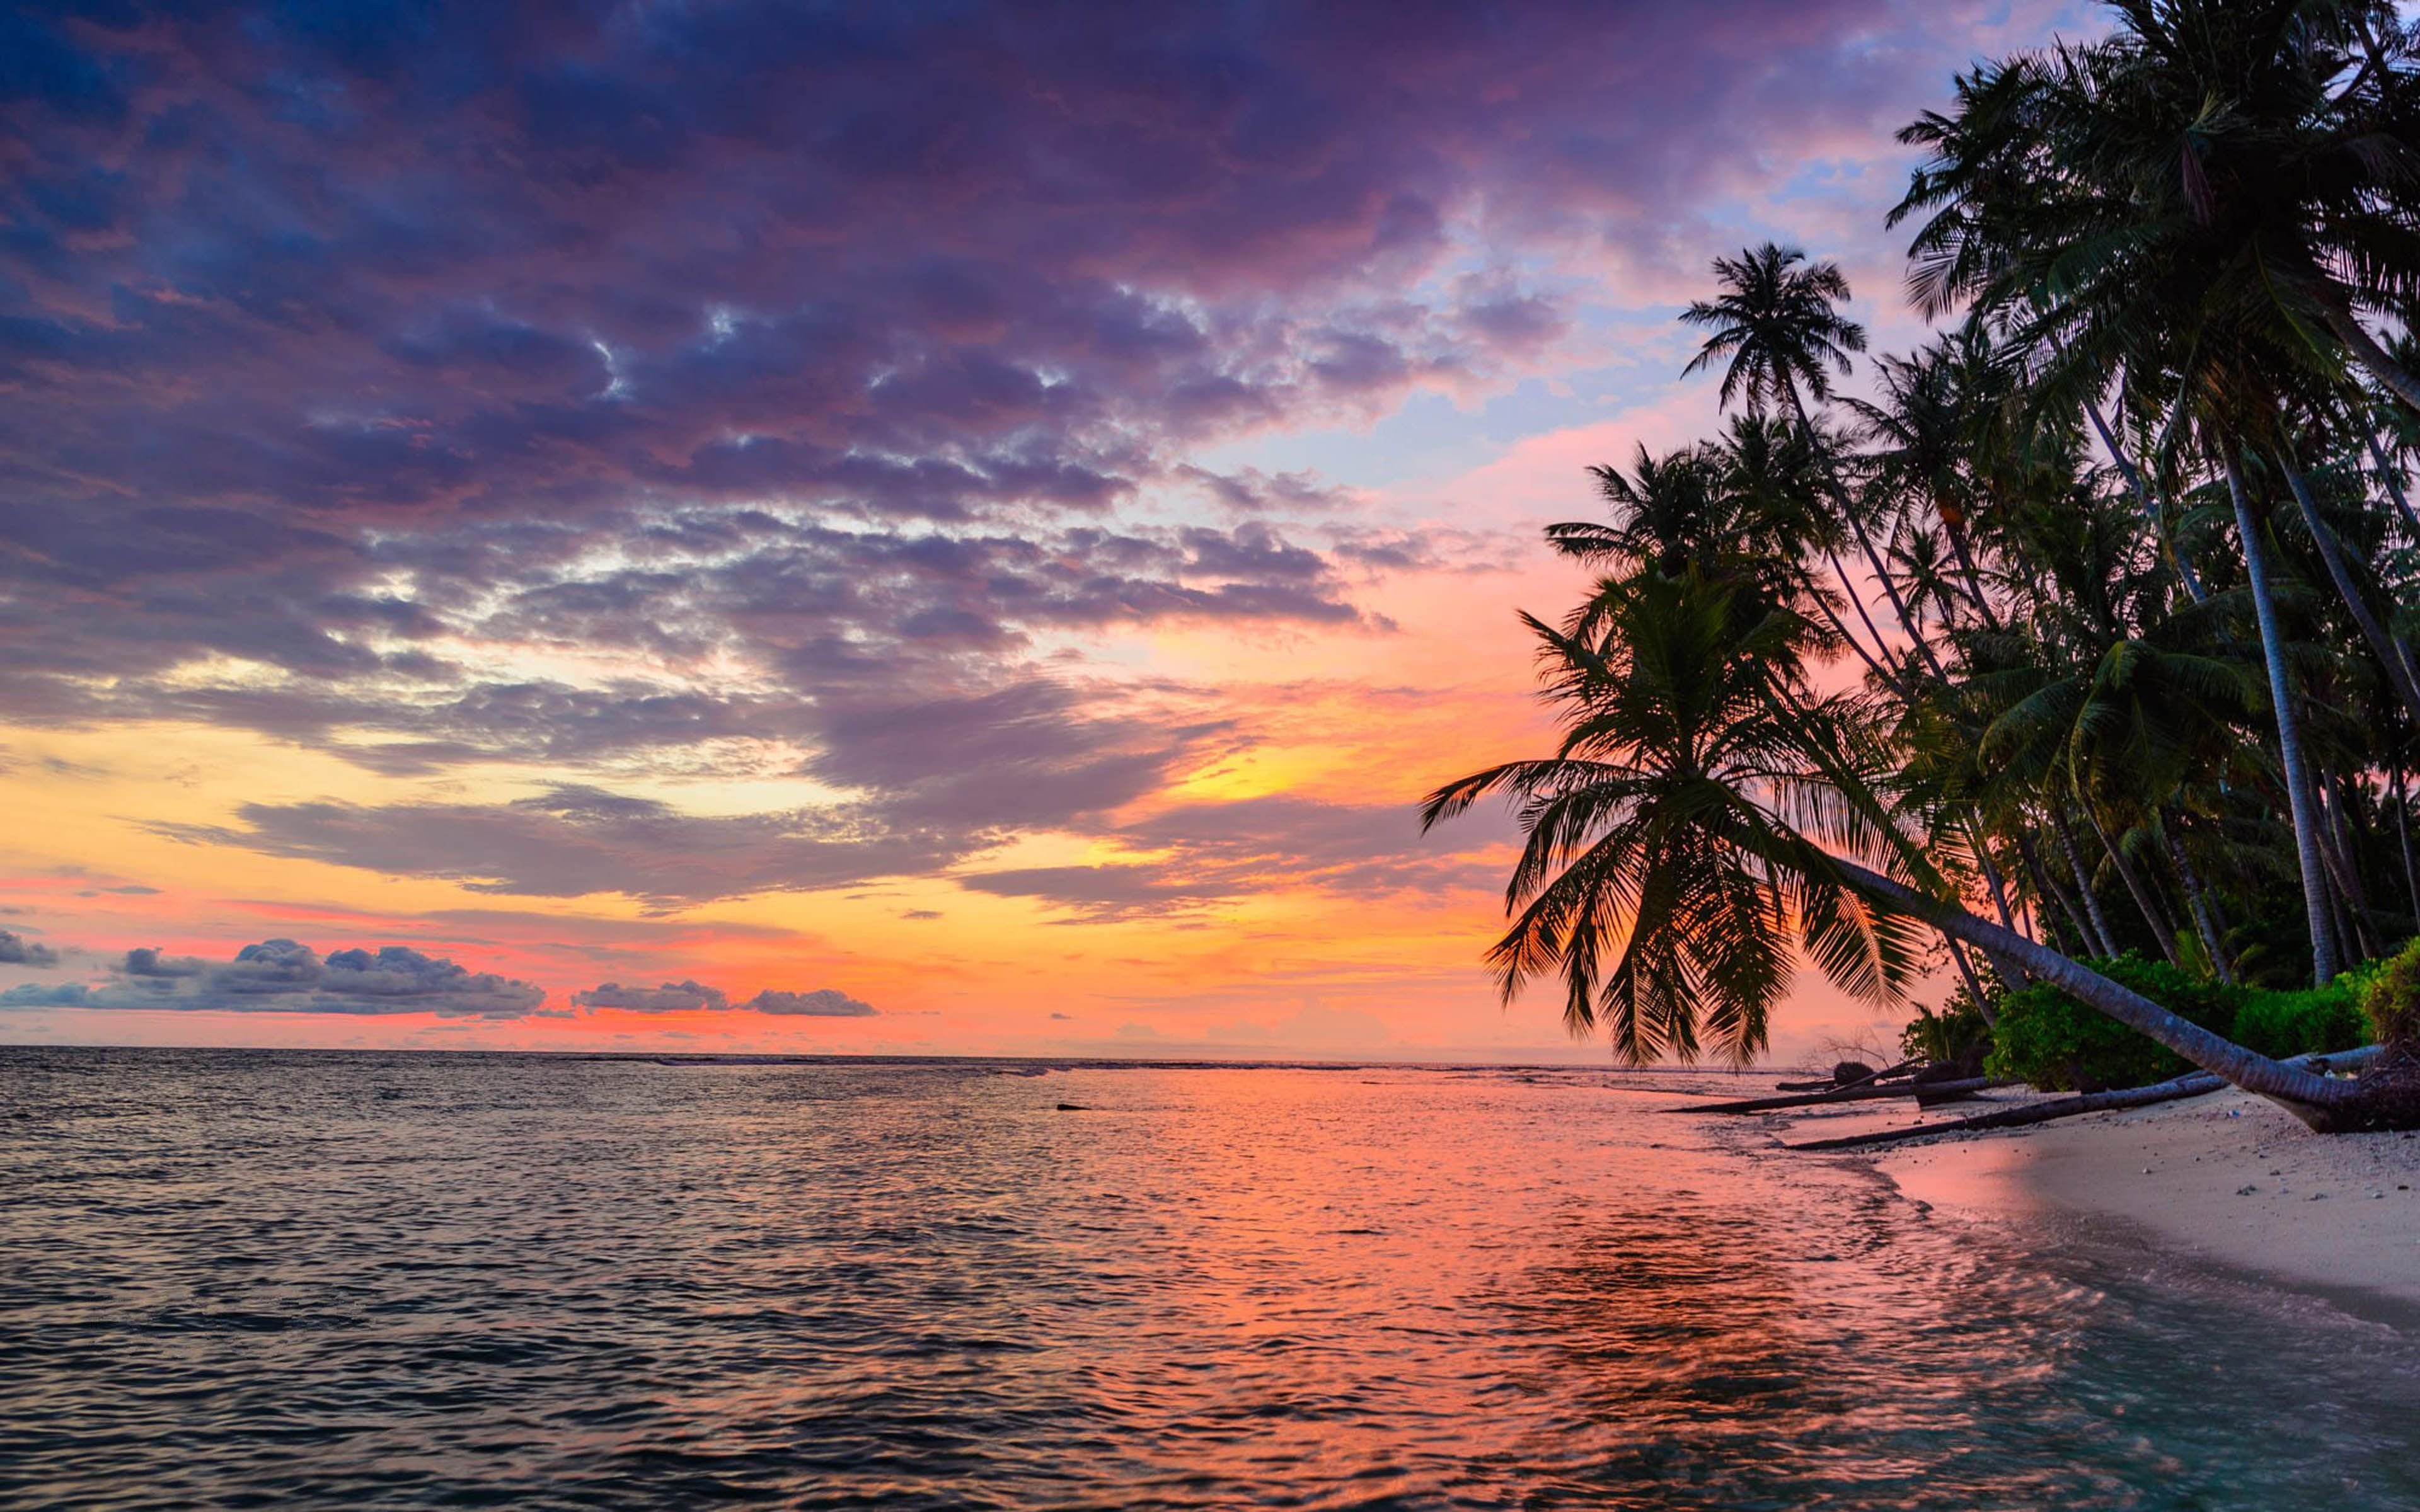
{"x": 285, "y": 976}
{"x": 825, "y": 372}
{"x": 17, "y": 950}
{"x": 824, "y": 1002}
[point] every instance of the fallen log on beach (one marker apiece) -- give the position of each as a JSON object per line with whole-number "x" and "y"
{"x": 1846, "y": 1094}
{"x": 2193, "y": 1084}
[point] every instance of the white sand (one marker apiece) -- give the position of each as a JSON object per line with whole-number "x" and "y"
{"x": 2226, "y": 1177}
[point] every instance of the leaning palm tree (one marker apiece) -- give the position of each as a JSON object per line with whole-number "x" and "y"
{"x": 1706, "y": 819}
{"x": 1681, "y": 697}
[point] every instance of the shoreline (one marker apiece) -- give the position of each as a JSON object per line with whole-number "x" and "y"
{"x": 2225, "y": 1178}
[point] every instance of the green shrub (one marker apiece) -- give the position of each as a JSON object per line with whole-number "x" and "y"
{"x": 1956, "y": 1036}
{"x": 2302, "y": 1023}
{"x": 2053, "y": 1042}
{"x": 2390, "y": 1000}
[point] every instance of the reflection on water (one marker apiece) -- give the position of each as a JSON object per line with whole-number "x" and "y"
{"x": 312, "y": 1280}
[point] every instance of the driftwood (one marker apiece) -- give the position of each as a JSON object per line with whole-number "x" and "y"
{"x": 2193, "y": 1084}
{"x": 1868, "y": 1078}
{"x": 1846, "y": 1094}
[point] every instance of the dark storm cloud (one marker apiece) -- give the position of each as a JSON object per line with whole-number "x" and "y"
{"x": 285, "y": 977}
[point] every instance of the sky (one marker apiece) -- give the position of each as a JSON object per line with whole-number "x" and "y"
{"x": 937, "y": 528}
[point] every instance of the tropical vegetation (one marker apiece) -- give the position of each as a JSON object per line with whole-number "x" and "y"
{"x": 2072, "y": 652}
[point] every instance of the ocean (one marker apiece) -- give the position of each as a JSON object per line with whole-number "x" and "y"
{"x": 300, "y": 1279}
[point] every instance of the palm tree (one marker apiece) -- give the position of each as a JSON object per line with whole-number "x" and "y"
{"x": 1664, "y": 897}
{"x": 1706, "y": 818}
{"x": 2266, "y": 150}
{"x": 2191, "y": 206}
{"x": 1667, "y": 512}
{"x": 1921, "y": 432}
{"x": 1777, "y": 330}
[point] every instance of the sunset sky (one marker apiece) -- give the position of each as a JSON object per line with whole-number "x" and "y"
{"x": 899, "y": 528}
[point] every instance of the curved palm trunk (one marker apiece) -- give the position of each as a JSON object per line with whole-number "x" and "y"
{"x": 2365, "y": 351}
{"x": 2153, "y": 513}
{"x": 2100, "y": 921}
{"x": 2388, "y": 475}
{"x": 1874, "y": 558}
{"x": 2289, "y": 733}
{"x": 2317, "y": 1099}
{"x": 2381, "y": 646}
{"x": 2162, "y": 933}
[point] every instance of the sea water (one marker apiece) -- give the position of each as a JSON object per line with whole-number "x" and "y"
{"x": 361, "y": 1280}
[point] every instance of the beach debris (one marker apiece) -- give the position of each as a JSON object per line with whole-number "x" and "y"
{"x": 1848, "y": 1073}
{"x": 1846, "y": 1094}
{"x": 2246, "y": 1190}
{"x": 1073, "y": 1107}
{"x": 2193, "y": 1084}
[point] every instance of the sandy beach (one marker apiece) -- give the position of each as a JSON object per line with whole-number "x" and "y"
{"x": 2228, "y": 1177}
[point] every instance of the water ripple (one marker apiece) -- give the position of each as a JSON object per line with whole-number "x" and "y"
{"x": 240, "y": 1279}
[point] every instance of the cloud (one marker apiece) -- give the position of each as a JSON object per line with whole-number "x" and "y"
{"x": 319, "y": 340}
{"x": 575, "y": 842}
{"x": 671, "y": 997}
{"x": 1194, "y": 855}
{"x": 285, "y": 976}
{"x": 824, "y": 1002}
{"x": 695, "y": 998}
{"x": 744, "y": 390}
{"x": 17, "y": 950}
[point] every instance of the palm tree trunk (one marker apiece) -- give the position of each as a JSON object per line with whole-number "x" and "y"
{"x": 2403, "y": 834}
{"x": 2153, "y": 513}
{"x": 2162, "y": 931}
{"x": 2100, "y": 921}
{"x": 1955, "y": 527}
{"x": 2365, "y": 351}
{"x": 1832, "y": 617}
{"x": 1874, "y": 558}
{"x": 2309, "y": 1096}
{"x": 2388, "y": 651}
{"x": 2045, "y": 887}
{"x": 2290, "y": 734}
{"x": 2389, "y": 475}
{"x": 2198, "y": 901}
{"x": 1973, "y": 982}
{"x": 2343, "y": 866}
{"x": 1991, "y": 869}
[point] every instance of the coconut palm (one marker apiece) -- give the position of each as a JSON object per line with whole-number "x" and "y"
{"x": 1705, "y": 819}
{"x": 2267, "y": 151}
{"x": 2198, "y": 205}
{"x": 1777, "y": 329}
{"x": 1919, "y": 433}
{"x": 1667, "y": 899}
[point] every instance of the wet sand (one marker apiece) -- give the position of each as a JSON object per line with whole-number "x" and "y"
{"x": 2225, "y": 1177}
